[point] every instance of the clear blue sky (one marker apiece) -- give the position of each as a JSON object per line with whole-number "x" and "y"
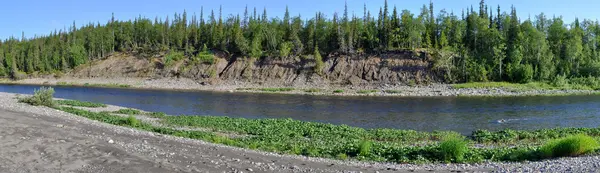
{"x": 39, "y": 17}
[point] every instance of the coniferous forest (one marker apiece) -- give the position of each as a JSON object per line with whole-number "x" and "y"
{"x": 488, "y": 43}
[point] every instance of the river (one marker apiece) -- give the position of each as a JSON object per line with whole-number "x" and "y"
{"x": 461, "y": 114}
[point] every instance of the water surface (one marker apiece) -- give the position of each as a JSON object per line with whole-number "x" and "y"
{"x": 462, "y": 114}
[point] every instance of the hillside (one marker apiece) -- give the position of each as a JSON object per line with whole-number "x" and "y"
{"x": 393, "y": 68}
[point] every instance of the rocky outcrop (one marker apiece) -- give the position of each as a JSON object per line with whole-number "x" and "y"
{"x": 390, "y": 68}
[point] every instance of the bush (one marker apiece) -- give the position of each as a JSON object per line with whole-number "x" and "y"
{"x": 523, "y": 74}
{"x": 173, "y": 57}
{"x": 453, "y": 150}
{"x": 41, "y": 97}
{"x": 569, "y": 146}
{"x": 338, "y": 91}
{"x": 132, "y": 121}
{"x": 560, "y": 81}
{"x": 128, "y": 111}
{"x": 364, "y": 148}
{"x": 206, "y": 57}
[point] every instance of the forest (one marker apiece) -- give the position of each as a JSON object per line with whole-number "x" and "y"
{"x": 475, "y": 45}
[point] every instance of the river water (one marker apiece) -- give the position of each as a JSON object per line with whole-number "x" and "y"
{"x": 461, "y": 114}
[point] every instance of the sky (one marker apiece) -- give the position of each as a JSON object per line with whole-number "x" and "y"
{"x": 40, "y": 17}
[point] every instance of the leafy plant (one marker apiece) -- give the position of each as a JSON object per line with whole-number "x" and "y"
{"x": 132, "y": 121}
{"x": 338, "y": 91}
{"x": 128, "y": 111}
{"x": 454, "y": 150}
{"x": 41, "y": 97}
{"x": 79, "y": 103}
{"x": 570, "y": 146}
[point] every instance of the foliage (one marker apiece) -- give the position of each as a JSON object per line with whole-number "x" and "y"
{"x": 454, "y": 150}
{"x": 132, "y": 121}
{"x": 393, "y": 91}
{"x": 366, "y": 91}
{"x": 173, "y": 57}
{"x": 128, "y": 111}
{"x": 570, "y": 146}
{"x": 331, "y": 141}
{"x": 41, "y": 97}
{"x": 276, "y": 89}
{"x": 79, "y": 103}
{"x": 312, "y": 90}
{"x": 473, "y": 47}
{"x": 338, "y": 91}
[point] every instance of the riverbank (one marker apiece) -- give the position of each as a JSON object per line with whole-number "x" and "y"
{"x": 128, "y": 138}
{"x": 432, "y": 90}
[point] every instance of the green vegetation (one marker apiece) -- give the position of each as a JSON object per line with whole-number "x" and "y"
{"x": 341, "y": 141}
{"x": 128, "y": 111}
{"x": 570, "y": 146}
{"x": 173, "y": 57}
{"x": 338, "y": 91}
{"x": 366, "y": 91}
{"x": 393, "y": 91}
{"x": 41, "y": 97}
{"x": 454, "y": 150}
{"x": 132, "y": 121}
{"x": 312, "y": 90}
{"x": 276, "y": 89}
{"x": 108, "y": 85}
{"x": 477, "y": 46}
{"x": 587, "y": 83}
{"x": 79, "y": 103}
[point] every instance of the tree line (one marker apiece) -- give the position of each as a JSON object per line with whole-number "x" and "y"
{"x": 487, "y": 44}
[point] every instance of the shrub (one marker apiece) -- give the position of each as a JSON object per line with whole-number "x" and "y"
{"x": 128, "y": 111}
{"x": 523, "y": 74}
{"x": 342, "y": 156}
{"x": 206, "y": 57}
{"x": 338, "y": 91}
{"x": 364, "y": 149}
{"x": 453, "y": 150}
{"x": 312, "y": 90}
{"x": 173, "y": 57}
{"x": 569, "y": 146}
{"x": 132, "y": 121}
{"x": 41, "y": 97}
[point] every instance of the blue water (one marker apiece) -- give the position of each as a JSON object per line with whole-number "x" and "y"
{"x": 460, "y": 114}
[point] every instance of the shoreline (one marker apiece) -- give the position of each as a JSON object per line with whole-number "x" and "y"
{"x": 184, "y": 84}
{"x": 308, "y": 164}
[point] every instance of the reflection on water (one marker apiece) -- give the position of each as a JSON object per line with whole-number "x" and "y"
{"x": 424, "y": 114}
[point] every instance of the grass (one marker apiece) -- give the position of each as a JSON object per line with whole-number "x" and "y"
{"x": 454, "y": 150}
{"x": 313, "y": 90}
{"x": 128, "y": 112}
{"x": 393, "y": 91}
{"x": 570, "y": 146}
{"x": 325, "y": 140}
{"x": 338, "y": 91}
{"x": 276, "y": 89}
{"x": 41, "y": 97}
{"x": 366, "y": 91}
{"x": 79, "y": 103}
{"x": 107, "y": 85}
{"x": 569, "y": 84}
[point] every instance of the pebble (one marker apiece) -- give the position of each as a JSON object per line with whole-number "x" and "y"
{"x": 249, "y": 169}
{"x": 110, "y": 141}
